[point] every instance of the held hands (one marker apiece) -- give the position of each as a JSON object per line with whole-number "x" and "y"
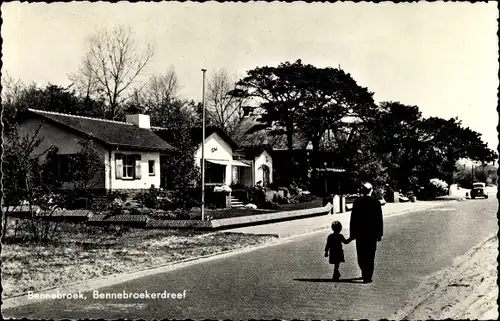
{"x": 379, "y": 239}
{"x": 326, "y": 254}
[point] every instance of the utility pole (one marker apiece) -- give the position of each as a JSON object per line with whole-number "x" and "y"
{"x": 203, "y": 151}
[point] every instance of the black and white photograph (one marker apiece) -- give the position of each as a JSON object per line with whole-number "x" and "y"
{"x": 249, "y": 160}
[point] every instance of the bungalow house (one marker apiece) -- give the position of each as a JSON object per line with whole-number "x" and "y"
{"x": 225, "y": 162}
{"x": 129, "y": 151}
{"x": 253, "y": 133}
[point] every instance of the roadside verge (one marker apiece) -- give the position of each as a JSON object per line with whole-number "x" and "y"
{"x": 465, "y": 290}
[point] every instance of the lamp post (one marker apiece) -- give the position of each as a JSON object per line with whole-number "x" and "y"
{"x": 203, "y": 150}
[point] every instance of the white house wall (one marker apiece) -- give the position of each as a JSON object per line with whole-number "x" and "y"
{"x": 144, "y": 182}
{"x": 263, "y": 159}
{"x": 217, "y": 149}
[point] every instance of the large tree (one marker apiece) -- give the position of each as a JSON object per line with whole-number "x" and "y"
{"x": 448, "y": 141}
{"x": 416, "y": 149}
{"x": 160, "y": 90}
{"x": 329, "y": 98}
{"x": 399, "y": 136}
{"x": 112, "y": 67}
{"x": 276, "y": 90}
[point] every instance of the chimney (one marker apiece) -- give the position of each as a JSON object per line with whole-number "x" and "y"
{"x": 247, "y": 111}
{"x": 136, "y": 117}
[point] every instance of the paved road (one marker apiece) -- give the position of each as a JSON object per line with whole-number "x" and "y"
{"x": 290, "y": 281}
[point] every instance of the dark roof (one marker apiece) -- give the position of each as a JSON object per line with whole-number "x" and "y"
{"x": 250, "y": 124}
{"x": 252, "y": 131}
{"x": 250, "y": 151}
{"x": 109, "y": 133}
{"x": 270, "y": 138}
{"x": 196, "y": 134}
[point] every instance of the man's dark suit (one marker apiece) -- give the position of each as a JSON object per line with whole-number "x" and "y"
{"x": 366, "y": 227}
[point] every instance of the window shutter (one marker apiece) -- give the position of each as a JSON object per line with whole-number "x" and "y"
{"x": 118, "y": 166}
{"x": 137, "y": 172}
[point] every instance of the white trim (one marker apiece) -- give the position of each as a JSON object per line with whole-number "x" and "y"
{"x": 238, "y": 163}
{"x": 218, "y": 161}
{"x": 36, "y": 111}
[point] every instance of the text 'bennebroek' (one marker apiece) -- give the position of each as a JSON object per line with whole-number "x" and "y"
{"x": 137, "y": 295}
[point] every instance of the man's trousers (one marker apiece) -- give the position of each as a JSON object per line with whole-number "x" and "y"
{"x": 365, "y": 249}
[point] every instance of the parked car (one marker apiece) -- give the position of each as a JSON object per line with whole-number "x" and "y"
{"x": 478, "y": 190}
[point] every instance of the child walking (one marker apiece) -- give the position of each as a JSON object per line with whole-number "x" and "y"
{"x": 333, "y": 248}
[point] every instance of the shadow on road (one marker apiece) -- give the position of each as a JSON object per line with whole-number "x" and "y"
{"x": 351, "y": 280}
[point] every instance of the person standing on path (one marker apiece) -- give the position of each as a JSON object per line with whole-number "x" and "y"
{"x": 333, "y": 248}
{"x": 366, "y": 227}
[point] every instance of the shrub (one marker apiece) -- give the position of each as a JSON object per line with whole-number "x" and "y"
{"x": 99, "y": 204}
{"x": 278, "y": 199}
{"x": 116, "y": 195}
{"x": 181, "y": 215}
{"x": 300, "y": 198}
{"x": 77, "y": 199}
{"x": 293, "y": 190}
{"x": 172, "y": 200}
{"x": 257, "y": 195}
{"x": 285, "y": 190}
{"x": 434, "y": 188}
{"x": 149, "y": 198}
{"x": 268, "y": 205}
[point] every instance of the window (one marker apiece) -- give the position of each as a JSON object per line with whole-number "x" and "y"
{"x": 215, "y": 173}
{"x": 151, "y": 165}
{"x": 127, "y": 166}
{"x": 64, "y": 167}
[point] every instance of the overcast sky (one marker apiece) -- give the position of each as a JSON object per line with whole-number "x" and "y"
{"x": 439, "y": 56}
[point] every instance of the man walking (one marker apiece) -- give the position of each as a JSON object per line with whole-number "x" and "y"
{"x": 366, "y": 227}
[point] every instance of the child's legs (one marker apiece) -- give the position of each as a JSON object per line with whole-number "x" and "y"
{"x": 336, "y": 267}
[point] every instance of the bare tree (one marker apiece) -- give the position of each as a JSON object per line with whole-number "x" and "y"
{"x": 28, "y": 180}
{"x": 84, "y": 81}
{"x": 160, "y": 90}
{"x": 224, "y": 110}
{"x": 12, "y": 89}
{"x": 14, "y": 100}
{"x": 111, "y": 67}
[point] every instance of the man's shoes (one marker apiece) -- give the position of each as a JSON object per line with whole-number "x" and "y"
{"x": 367, "y": 281}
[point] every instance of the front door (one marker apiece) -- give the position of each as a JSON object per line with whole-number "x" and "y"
{"x": 265, "y": 175}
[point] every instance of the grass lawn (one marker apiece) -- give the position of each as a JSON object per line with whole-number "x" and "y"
{"x": 301, "y": 206}
{"x": 83, "y": 252}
